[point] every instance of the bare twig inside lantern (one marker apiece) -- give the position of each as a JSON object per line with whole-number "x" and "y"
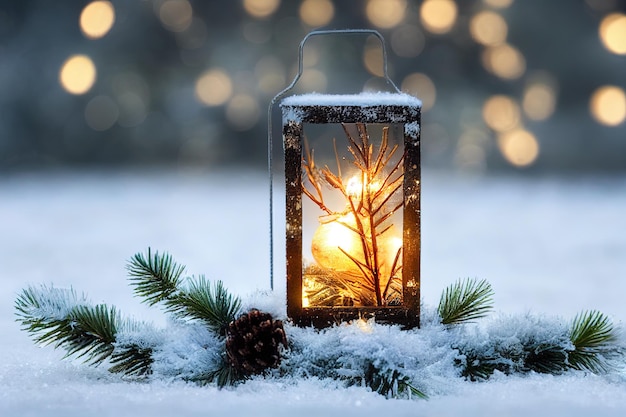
{"x": 357, "y": 250}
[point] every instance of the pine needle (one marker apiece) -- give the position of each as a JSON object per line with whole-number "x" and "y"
{"x": 222, "y": 376}
{"x": 212, "y": 304}
{"x": 390, "y": 382}
{"x": 465, "y": 300}
{"x": 92, "y": 332}
{"x": 132, "y": 361}
{"x": 58, "y": 316}
{"x": 591, "y": 334}
{"x": 155, "y": 277}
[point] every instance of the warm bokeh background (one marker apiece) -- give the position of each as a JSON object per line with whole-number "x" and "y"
{"x": 506, "y": 84}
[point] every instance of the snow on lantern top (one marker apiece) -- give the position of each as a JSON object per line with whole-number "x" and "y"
{"x": 365, "y": 99}
{"x": 366, "y": 107}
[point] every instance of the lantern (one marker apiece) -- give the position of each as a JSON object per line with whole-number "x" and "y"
{"x": 352, "y": 207}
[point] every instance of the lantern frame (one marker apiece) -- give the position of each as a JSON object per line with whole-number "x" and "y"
{"x": 359, "y": 108}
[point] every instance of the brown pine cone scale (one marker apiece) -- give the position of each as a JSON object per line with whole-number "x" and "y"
{"x": 253, "y": 342}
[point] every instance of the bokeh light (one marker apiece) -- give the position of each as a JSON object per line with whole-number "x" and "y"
{"x": 176, "y": 15}
{"x": 407, "y": 41}
{"x": 242, "y": 112}
{"x": 256, "y": 32}
{"x": 132, "y": 93}
{"x": 214, "y": 87}
{"x": 501, "y": 113}
{"x": 194, "y": 36}
{"x": 78, "y": 74}
{"x": 261, "y": 8}
{"x": 439, "y": 139}
{"x": 504, "y": 61}
{"x": 488, "y": 28}
{"x": 310, "y": 56}
{"x": 608, "y": 105}
{"x": 519, "y": 147}
{"x": 133, "y": 109}
{"x": 602, "y": 5}
{"x": 539, "y": 100}
{"x": 386, "y": 14}
{"x": 471, "y": 152}
{"x": 613, "y": 33}
{"x": 438, "y": 16}
{"x": 101, "y": 113}
{"x": 373, "y": 57}
{"x": 96, "y": 19}
{"x": 312, "y": 80}
{"x": 270, "y": 74}
{"x": 422, "y": 87}
{"x": 317, "y": 12}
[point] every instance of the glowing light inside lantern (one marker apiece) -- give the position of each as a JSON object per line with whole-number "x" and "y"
{"x": 332, "y": 239}
{"x": 336, "y": 246}
{"x": 357, "y": 246}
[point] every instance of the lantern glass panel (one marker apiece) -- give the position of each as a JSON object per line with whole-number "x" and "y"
{"x": 352, "y": 213}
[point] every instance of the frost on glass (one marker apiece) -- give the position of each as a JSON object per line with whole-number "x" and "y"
{"x": 352, "y": 200}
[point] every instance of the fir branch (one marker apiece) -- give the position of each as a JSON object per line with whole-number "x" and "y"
{"x": 132, "y": 360}
{"x": 212, "y": 304}
{"x": 158, "y": 278}
{"x": 390, "y": 382}
{"x": 465, "y": 300}
{"x": 155, "y": 277}
{"x": 546, "y": 359}
{"x": 45, "y": 308}
{"x": 527, "y": 355}
{"x": 56, "y": 316}
{"x": 476, "y": 366}
{"x": 224, "y": 375}
{"x": 93, "y": 332}
{"x": 587, "y": 345}
{"x": 591, "y": 334}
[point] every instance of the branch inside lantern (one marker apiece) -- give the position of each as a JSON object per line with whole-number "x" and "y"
{"x": 356, "y": 249}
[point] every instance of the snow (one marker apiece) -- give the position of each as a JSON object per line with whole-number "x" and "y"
{"x": 364, "y": 99}
{"x": 550, "y": 247}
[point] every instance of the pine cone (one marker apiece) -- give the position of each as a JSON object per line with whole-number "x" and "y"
{"x": 253, "y": 342}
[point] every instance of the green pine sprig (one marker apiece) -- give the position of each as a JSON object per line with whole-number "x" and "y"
{"x": 592, "y": 334}
{"x": 465, "y": 301}
{"x": 155, "y": 277}
{"x": 589, "y": 345}
{"x": 222, "y": 376}
{"x": 132, "y": 360}
{"x": 390, "y": 382}
{"x": 57, "y": 316}
{"x": 202, "y": 301}
{"x": 158, "y": 279}
{"x": 61, "y": 317}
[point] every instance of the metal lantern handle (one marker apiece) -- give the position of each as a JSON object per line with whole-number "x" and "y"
{"x": 337, "y": 32}
{"x": 290, "y": 87}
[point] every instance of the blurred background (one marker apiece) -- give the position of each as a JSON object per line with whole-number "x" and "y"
{"x": 507, "y": 85}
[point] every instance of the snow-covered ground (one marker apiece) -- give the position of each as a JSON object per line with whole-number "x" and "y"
{"x": 548, "y": 246}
